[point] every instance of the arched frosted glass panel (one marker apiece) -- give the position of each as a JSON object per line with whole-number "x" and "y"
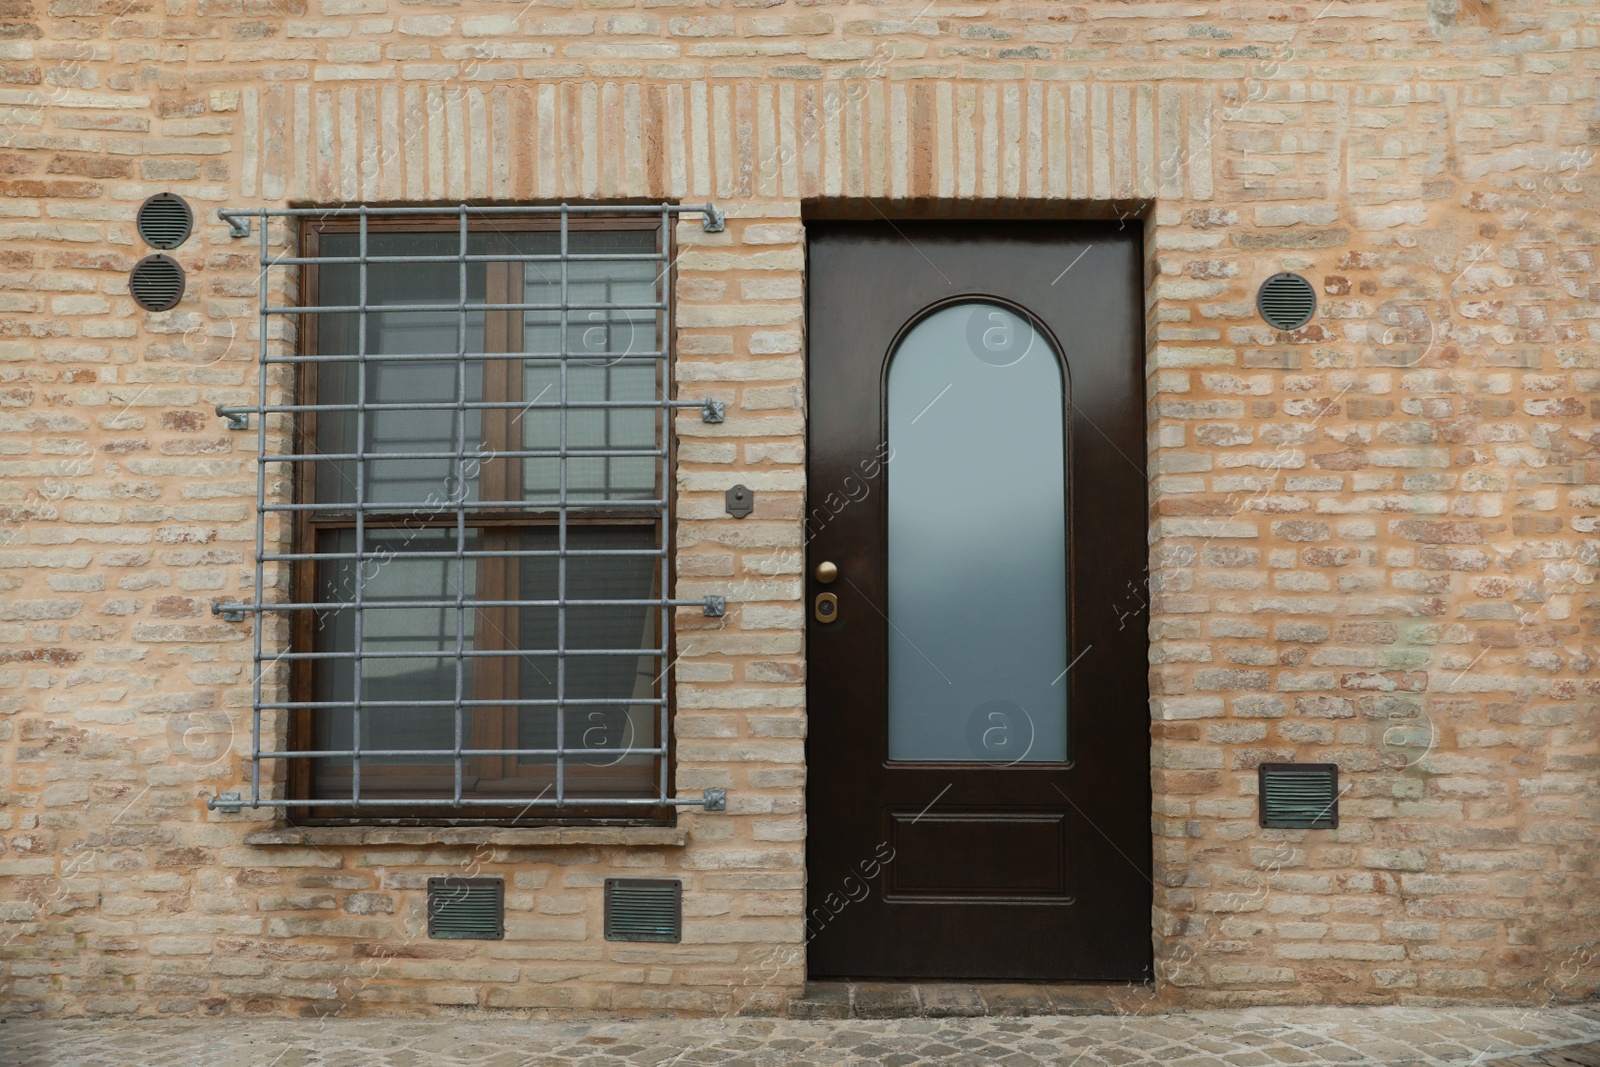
{"x": 977, "y": 541}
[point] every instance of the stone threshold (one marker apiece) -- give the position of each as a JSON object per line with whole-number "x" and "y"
{"x": 942, "y": 1000}
{"x": 525, "y": 837}
{"x": 1586, "y": 1055}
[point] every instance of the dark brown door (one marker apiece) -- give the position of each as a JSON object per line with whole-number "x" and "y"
{"x": 978, "y": 800}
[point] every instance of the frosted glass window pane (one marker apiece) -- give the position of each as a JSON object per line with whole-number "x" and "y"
{"x": 392, "y": 333}
{"x": 622, "y": 679}
{"x": 977, "y": 541}
{"x": 615, "y": 361}
{"x": 395, "y": 576}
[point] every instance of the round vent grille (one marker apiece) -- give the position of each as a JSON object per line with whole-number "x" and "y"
{"x": 156, "y": 283}
{"x": 165, "y": 221}
{"x": 1287, "y": 301}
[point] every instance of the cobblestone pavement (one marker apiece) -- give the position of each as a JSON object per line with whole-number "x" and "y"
{"x": 1480, "y": 1037}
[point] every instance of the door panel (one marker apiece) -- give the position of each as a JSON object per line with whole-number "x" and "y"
{"x": 1017, "y": 854}
{"x": 978, "y": 795}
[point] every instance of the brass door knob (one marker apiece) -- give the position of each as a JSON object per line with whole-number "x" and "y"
{"x": 826, "y": 572}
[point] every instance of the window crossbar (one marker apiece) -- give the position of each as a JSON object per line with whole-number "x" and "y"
{"x": 512, "y": 408}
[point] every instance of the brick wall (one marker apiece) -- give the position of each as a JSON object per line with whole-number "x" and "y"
{"x": 1372, "y": 541}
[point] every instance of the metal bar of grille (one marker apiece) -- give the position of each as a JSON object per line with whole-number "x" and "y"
{"x": 487, "y": 653}
{"x": 471, "y": 505}
{"x": 497, "y": 702}
{"x": 460, "y": 494}
{"x": 471, "y": 405}
{"x": 510, "y": 553}
{"x": 461, "y": 305}
{"x": 362, "y": 457}
{"x": 665, "y": 468}
{"x": 371, "y": 531}
{"x": 561, "y": 528}
{"x": 258, "y": 593}
{"x": 335, "y": 752}
{"x": 470, "y": 357}
{"x": 710, "y": 802}
{"x": 387, "y": 605}
{"x": 475, "y": 210}
{"x": 357, "y": 672}
{"x": 495, "y": 257}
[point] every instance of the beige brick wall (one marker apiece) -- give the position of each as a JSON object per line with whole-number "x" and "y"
{"x": 1373, "y": 541}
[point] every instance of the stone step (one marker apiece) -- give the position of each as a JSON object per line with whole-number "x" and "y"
{"x": 939, "y": 1000}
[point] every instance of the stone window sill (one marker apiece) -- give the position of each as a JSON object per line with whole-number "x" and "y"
{"x": 535, "y": 836}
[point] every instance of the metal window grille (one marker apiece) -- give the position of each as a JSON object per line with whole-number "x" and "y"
{"x": 570, "y": 481}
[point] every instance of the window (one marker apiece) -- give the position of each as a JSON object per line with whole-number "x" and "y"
{"x": 479, "y": 574}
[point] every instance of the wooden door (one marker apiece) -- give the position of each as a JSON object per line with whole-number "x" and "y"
{"x": 978, "y": 798}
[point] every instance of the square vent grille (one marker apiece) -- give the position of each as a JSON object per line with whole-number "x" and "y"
{"x": 644, "y": 909}
{"x": 467, "y": 908}
{"x": 1299, "y": 795}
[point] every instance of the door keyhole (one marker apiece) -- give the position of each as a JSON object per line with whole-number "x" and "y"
{"x": 826, "y": 607}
